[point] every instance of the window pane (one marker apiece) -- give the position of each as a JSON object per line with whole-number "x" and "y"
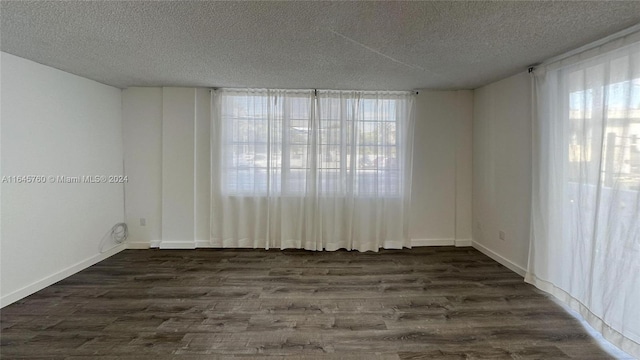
{"x": 299, "y": 132}
{"x": 298, "y": 157}
{"x": 299, "y": 108}
{"x": 272, "y": 143}
{"x": 329, "y": 156}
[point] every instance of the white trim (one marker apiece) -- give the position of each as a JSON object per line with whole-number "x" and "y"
{"x": 205, "y": 244}
{"x": 177, "y": 245}
{"x": 463, "y": 242}
{"x": 60, "y": 275}
{"x": 499, "y": 258}
{"x": 432, "y": 242}
{"x": 138, "y": 245}
{"x": 197, "y": 244}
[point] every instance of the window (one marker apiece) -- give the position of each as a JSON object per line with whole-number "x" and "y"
{"x": 585, "y": 213}
{"x": 299, "y": 143}
{"x": 611, "y": 131}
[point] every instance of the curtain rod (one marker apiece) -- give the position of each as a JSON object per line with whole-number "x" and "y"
{"x": 315, "y": 91}
{"x": 589, "y": 46}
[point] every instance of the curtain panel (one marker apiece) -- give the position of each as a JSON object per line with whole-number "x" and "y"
{"x": 585, "y": 239}
{"x": 315, "y": 170}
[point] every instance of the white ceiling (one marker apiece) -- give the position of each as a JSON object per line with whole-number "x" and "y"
{"x": 325, "y": 45}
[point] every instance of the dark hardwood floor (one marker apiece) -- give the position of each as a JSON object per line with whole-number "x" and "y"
{"x": 424, "y": 303}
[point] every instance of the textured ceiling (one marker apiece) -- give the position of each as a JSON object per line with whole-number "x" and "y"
{"x": 327, "y": 45}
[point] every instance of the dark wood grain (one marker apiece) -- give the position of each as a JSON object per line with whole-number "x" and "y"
{"x": 423, "y": 303}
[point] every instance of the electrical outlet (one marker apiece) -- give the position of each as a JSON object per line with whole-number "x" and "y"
{"x": 143, "y": 222}
{"x": 502, "y": 235}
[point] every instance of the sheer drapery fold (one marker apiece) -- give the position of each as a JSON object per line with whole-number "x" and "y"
{"x": 585, "y": 239}
{"x": 316, "y": 170}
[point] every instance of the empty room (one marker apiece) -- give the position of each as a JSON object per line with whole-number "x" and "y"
{"x": 320, "y": 180}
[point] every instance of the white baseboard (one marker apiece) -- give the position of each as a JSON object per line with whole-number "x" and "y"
{"x": 206, "y": 244}
{"x": 432, "y": 242}
{"x": 499, "y": 258}
{"x": 60, "y": 275}
{"x": 138, "y": 245}
{"x": 463, "y": 242}
{"x": 441, "y": 242}
{"x": 177, "y": 245}
{"x": 159, "y": 244}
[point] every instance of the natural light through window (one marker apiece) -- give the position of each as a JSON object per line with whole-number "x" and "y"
{"x": 301, "y": 143}
{"x": 620, "y": 139}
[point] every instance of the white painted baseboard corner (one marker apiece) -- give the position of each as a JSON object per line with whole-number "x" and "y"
{"x": 499, "y": 258}
{"x": 463, "y": 242}
{"x": 60, "y": 275}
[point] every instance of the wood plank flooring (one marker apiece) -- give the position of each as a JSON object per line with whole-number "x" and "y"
{"x": 423, "y": 303}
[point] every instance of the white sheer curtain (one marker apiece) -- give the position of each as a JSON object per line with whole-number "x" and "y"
{"x": 315, "y": 170}
{"x": 585, "y": 242}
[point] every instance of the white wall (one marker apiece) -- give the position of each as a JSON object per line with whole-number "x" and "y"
{"x": 58, "y": 124}
{"x": 168, "y": 167}
{"x": 142, "y": 123}
{"x": 502, "y": 170}
{"x": 167, "y": 161}
{"x": 178, "y": 157}
{"x": 441, "y": 194}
